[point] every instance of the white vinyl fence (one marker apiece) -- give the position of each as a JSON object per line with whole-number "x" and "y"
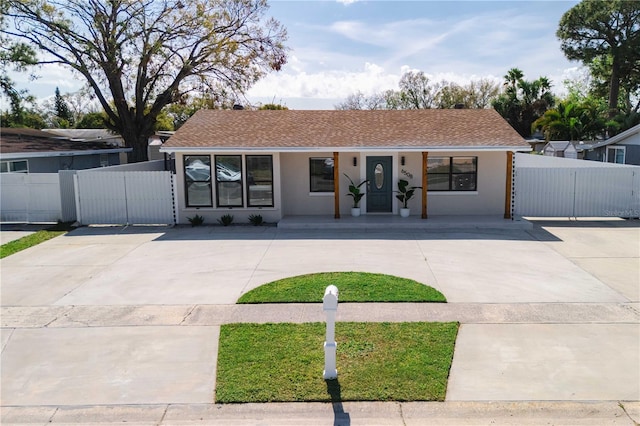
{"x": 560, "y": 187}
{"x": 30, "y": 197}
{"x": 131, "y": 197}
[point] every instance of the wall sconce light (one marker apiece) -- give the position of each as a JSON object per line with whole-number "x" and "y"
{"x": 355, "y": 161}
{"x": 402, "y": 161}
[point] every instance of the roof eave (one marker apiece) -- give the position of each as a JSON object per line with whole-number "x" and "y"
{"x": 347, "y": 149}
{"x": 47, "y": 154}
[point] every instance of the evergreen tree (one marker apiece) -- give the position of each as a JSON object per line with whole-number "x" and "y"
{"x": 62, "y": 111}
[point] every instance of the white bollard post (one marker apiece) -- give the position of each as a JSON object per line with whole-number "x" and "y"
{"x": 330, "y": 307}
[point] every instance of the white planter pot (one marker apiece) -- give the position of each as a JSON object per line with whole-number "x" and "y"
{"x": 405, "y": 212}
{"x": 355, "y": 211}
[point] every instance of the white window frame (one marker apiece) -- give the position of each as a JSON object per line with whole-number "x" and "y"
{"x": 11, "y": 166}
{"x": 615, "y": 148}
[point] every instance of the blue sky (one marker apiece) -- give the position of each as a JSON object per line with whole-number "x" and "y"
{"x": 339, "y": 47}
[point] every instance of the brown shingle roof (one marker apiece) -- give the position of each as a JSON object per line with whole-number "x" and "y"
{"x": 291, "y": 129}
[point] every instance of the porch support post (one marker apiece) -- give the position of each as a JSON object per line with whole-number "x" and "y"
{"x": 425, "y": 157}
{"x": 507, "y": 190}
{"x": 336, "y": 185}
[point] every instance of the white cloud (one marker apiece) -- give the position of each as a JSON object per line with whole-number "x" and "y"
{"x": 333, "y": 84}
{"x": 346, "y": 2}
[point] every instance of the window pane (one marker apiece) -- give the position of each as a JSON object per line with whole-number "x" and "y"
{"x": 321, "y": 174}
{"x": 378, "y": 174}
{"x": 464, "y": 165}
{"x": 438, "y": 183}
{"x": 197, "y": 168}
{"x": 438, "y": 165}
{"x": 197, "y": 174}
{"x": 464, "y": 182}
{"x": 229, "y": 194}
{"x": 4, "y": 167}
{"x": 228, "y": 168}
{"x": 260, "y": 180}
{"x": 229, "y": 180}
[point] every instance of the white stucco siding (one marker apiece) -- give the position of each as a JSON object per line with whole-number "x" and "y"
{"x": 489, "y": 197}
{"x": 297, "y": 198}
{"x": 240, "y": 214}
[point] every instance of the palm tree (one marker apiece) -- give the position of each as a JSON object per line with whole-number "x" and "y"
{"x": 571, "y": 121}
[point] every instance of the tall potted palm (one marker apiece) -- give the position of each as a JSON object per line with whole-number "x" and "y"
{"x": 356, "y": 194}
{"x": 405, "y": 193}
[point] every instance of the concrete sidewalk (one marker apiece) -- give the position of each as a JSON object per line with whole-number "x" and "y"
{"x": 121, "y": 324}
{"x": 337, "y": 414}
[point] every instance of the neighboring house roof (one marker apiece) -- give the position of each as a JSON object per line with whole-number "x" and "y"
{"x": 87, "y": 135}
{"x": 619, "y": 137}
{"x": 454, "y": 129}
{"x": 26, "y": 143}
{"x": 559, "y": 145}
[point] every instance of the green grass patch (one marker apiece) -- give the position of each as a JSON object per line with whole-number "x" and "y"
{"x": 353, "y": 287}
{"x": 33, "y": 239}
{"x": 375, "y": 361}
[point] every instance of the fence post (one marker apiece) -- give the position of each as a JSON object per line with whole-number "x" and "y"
{"x": 330, "y": 306}
{"x": 76, "y": 191}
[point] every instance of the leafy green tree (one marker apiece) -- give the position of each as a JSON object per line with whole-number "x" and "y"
{"x": 523, "y": 101}
{"x": 23, "y": 112}
{"x": 64, "y": 118}
{"x": 605, "y": 33}
{"x": 12, "y": 55}
{"x": 92, "y": 120}
{"x": 139, "y": 56}
{"x": 272, "y": 107}
{"x": 571, "y": 120}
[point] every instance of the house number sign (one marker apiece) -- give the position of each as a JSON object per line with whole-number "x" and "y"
{"x": 406, "y": 173}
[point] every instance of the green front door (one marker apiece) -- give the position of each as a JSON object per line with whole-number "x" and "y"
{"x": 379, "y": 187}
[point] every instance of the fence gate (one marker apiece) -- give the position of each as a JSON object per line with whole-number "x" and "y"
{"x": 582, "y": 191}
{"x": 132, "y": 197}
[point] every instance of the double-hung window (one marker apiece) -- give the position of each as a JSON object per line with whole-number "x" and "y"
{"x": 452, "y": 173}
{"x": 229, "y": 181}
{"x": 321, "y": 174}
{"x": 197, "y": 176}
{"x": 259, "y": 181}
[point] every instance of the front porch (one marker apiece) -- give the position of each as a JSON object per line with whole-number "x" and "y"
{"x": 380, "y": 222}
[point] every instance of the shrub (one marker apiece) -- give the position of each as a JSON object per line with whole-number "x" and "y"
{"x": 256, "y": 220}
{"x": 197, "y": 220}
{"x": 226, "y": 220}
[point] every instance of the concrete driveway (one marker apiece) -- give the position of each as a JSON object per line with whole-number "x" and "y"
{"x": 110, "y": 315}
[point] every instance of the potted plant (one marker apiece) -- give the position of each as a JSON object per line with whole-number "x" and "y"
{"x": 356, "y": 194}
{"x": 405, "y": 193}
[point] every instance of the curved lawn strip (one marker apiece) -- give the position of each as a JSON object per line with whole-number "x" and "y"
{"x": 353, "y": 287}
{"x": 376, "y": 362}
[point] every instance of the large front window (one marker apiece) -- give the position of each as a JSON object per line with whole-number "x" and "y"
{"x": 197, "y": 174}
{"x": 229, "y": 180}
{"x": 321, "y": 174}
{"x": 452, "y": 173}
{"x": 259, "y": 181}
